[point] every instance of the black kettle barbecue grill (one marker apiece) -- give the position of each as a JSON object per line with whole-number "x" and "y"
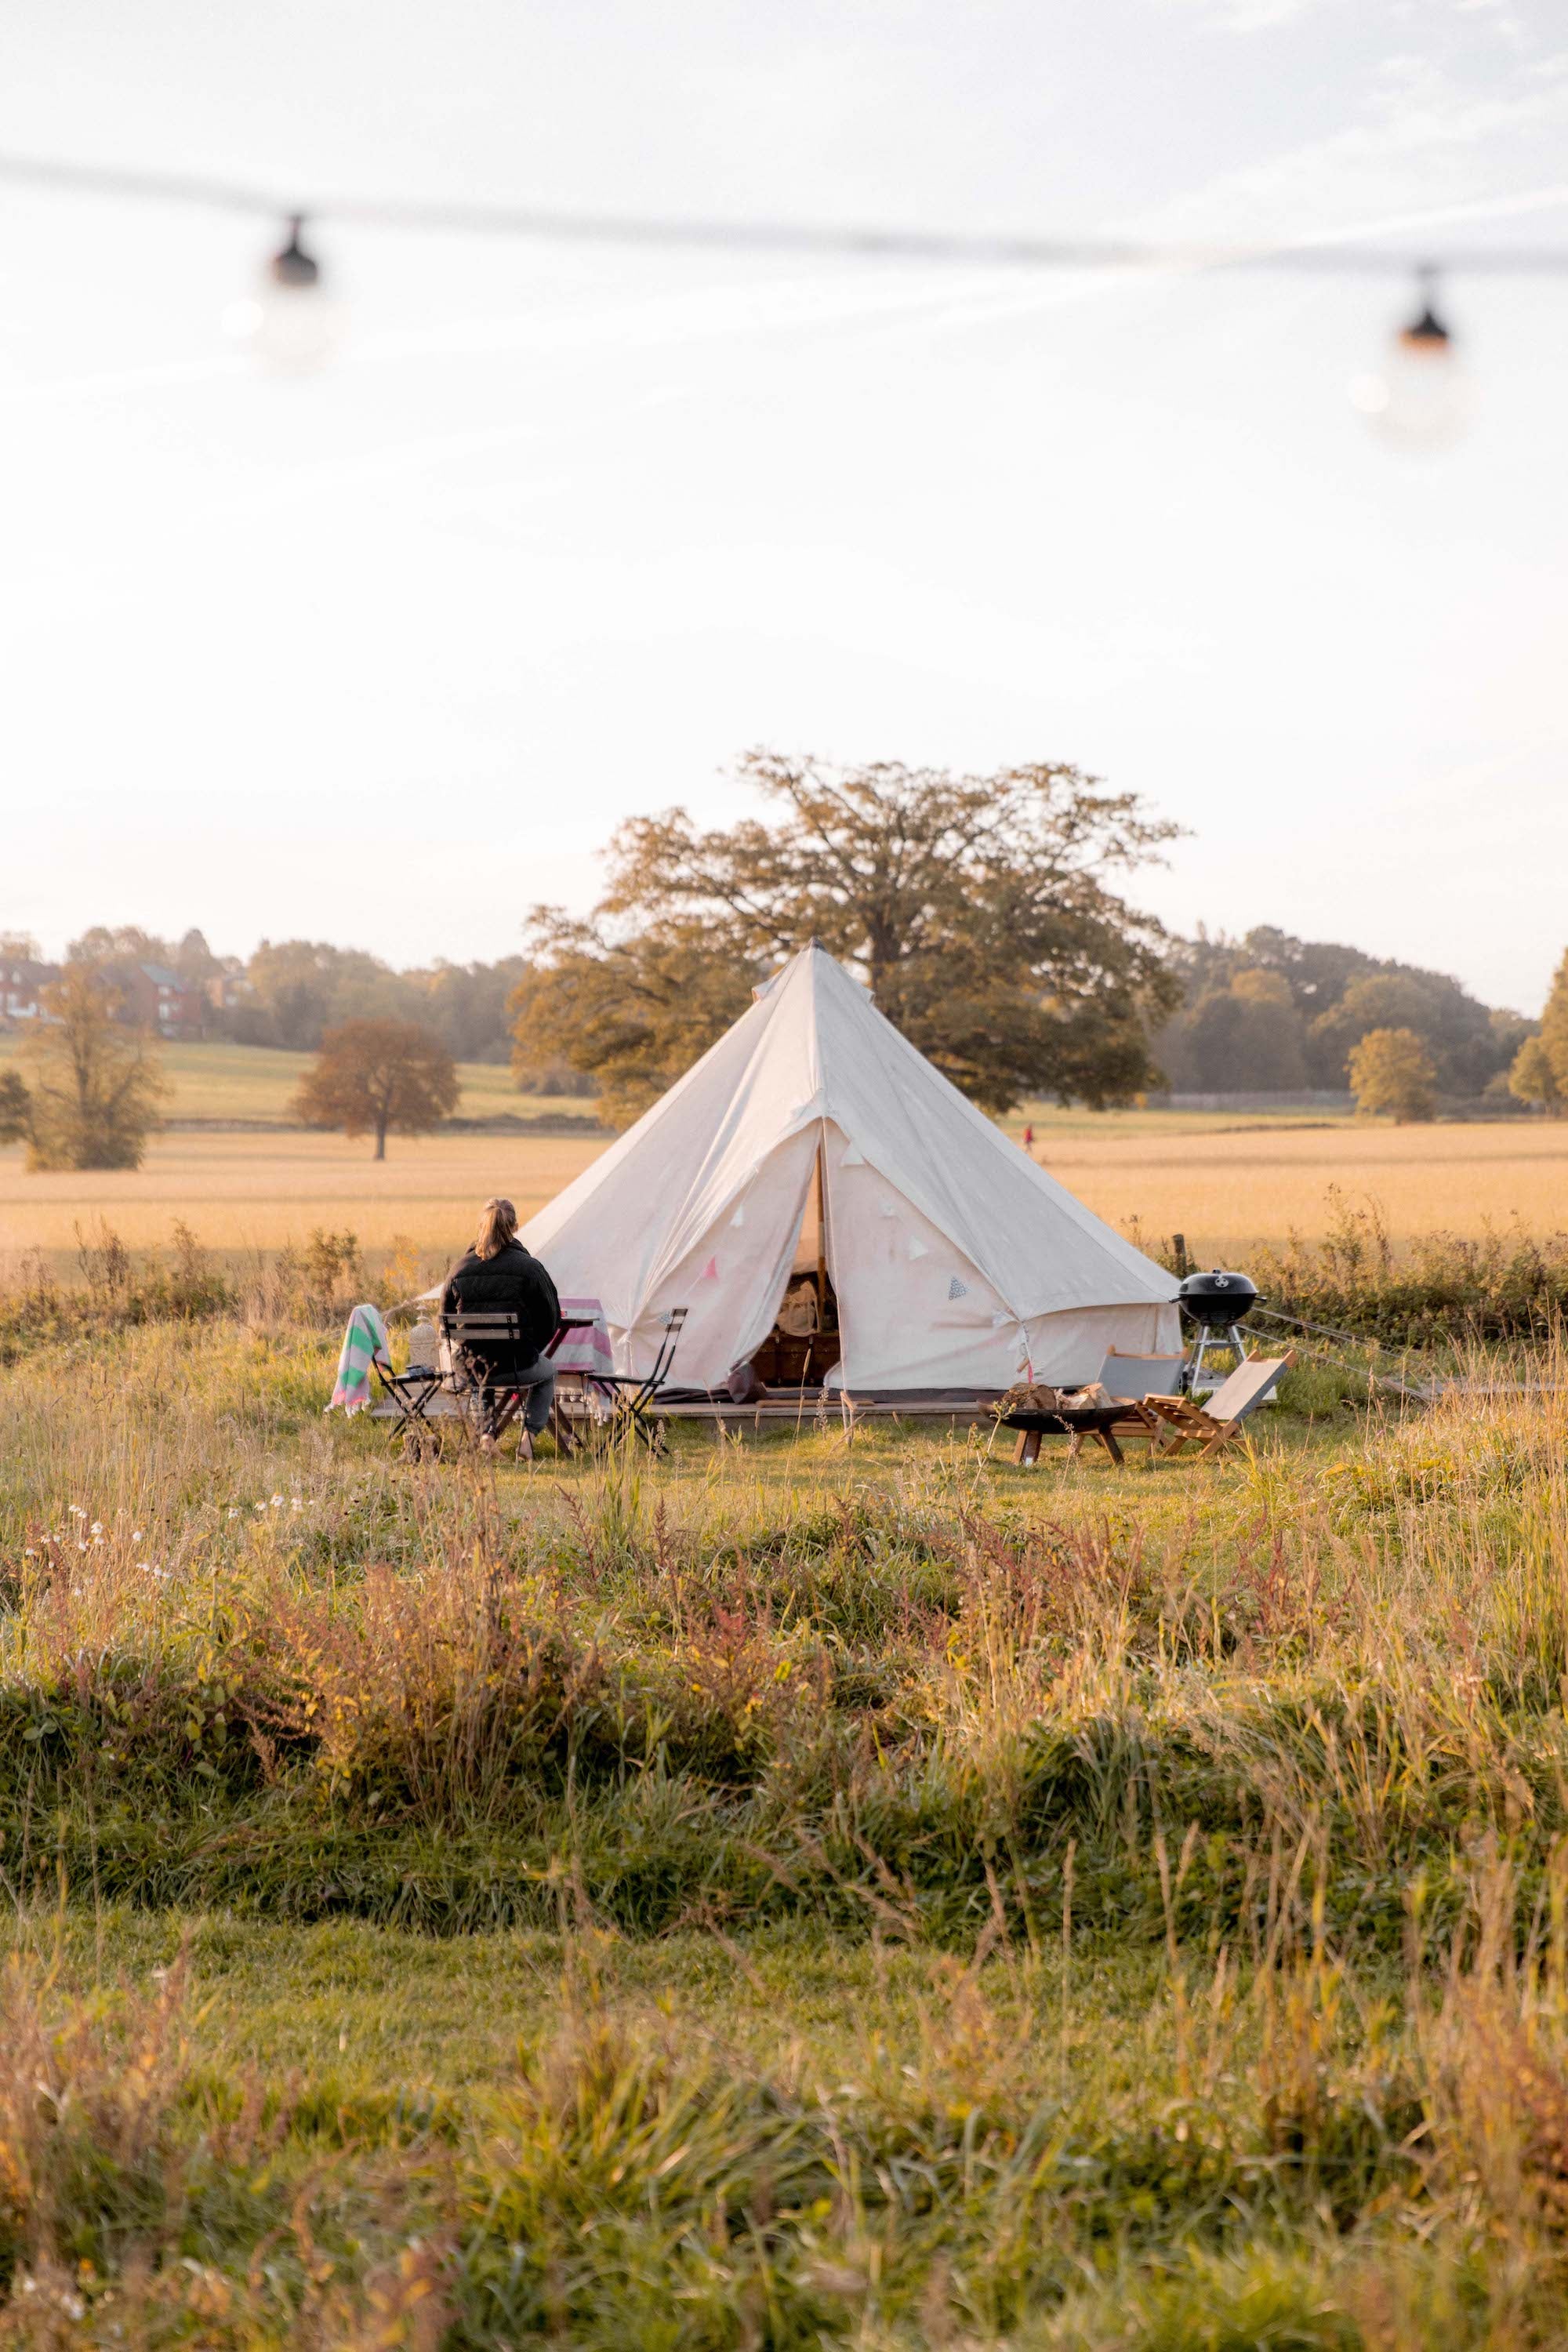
{"x": 1218, "y": 1303}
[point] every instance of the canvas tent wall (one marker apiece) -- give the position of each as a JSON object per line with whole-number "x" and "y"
{"x": 956, "y": 1261}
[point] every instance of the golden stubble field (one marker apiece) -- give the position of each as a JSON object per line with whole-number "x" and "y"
{"x": 247, "y": 1193}
{"x": 1225, "y": 1187}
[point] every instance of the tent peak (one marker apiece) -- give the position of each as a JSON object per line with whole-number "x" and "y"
{"x": 812, "y": 947}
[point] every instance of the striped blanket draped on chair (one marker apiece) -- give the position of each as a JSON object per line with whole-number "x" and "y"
{"x": 363, "y": 1341}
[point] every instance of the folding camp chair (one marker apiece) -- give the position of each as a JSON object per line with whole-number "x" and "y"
{"x": 635, "y": 1397}
{"x": 1220, "y": 1420}
{"x": 410, "y": 1395}
{"x": 472, "y": 1341}
{"x": 476, "y": 1342}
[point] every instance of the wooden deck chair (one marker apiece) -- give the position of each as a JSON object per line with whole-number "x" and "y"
{"x": 1127, "y": 1380}
{"x": 1220, "y": 1420}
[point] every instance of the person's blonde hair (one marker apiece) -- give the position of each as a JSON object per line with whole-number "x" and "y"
{"x": 498, "y": 1226}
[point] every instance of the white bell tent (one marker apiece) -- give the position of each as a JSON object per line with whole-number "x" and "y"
{"x": 813, "y": 1128}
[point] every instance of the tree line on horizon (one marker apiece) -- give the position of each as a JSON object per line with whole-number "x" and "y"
{"x": 985, "y": 913}
{"x": 1269, "y": 1012}
{"x": 290, "y": 992}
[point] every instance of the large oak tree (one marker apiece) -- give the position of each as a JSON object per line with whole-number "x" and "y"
{"x": 376, "y": 1077}
{"x": 631, "y": 1011}
{"x": 979, "y": 910}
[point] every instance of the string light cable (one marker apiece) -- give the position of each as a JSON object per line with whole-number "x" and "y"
{"x": 1419, "y": 396}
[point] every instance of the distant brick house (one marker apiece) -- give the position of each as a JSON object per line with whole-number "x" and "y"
{"x": 158, "y": 999}
{"x": 22, "y": 981}
{"x": 151, "y": 996}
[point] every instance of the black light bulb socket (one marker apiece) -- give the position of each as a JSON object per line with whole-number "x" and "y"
{"x": 291, "y": 265}
{"x": 1427, "y": 333}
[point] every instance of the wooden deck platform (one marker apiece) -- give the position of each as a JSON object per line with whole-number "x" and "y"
{"x": 808, "y": 1410}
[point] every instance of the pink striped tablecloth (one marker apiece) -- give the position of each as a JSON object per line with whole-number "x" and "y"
{"x": 587, "y": 1350}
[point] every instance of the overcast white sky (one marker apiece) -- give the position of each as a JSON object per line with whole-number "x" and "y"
{"x": 382, "y": 656}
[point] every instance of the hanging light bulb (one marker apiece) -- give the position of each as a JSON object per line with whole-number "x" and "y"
{"x": 1423, "y": 396}
{"x": 291, "y": 326}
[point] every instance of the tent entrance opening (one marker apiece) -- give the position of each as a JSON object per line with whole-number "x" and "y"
{"x": 803, "y": 1346}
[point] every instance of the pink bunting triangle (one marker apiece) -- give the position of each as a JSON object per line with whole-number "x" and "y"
{"x": 709, "y": 1272}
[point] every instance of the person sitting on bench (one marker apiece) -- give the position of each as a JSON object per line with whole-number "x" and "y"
{"x": 499, "y": 1277}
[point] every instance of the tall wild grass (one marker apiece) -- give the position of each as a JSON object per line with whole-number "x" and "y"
{"x": 1280, "y": 1742}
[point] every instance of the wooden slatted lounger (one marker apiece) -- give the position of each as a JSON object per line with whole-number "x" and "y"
{"x": 1219, "y": 1422}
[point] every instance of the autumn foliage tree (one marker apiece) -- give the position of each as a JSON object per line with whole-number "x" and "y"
{"x": 92, "y": 1085}
{"x": 634, "y": 1012}
{"x": 1390, "y": 1070}
{"x": 1540, "y": 1072}
{"x": 1532, "y": 1078}
{"x": 979, "y": 910}
{"x": 380, "y": 1078}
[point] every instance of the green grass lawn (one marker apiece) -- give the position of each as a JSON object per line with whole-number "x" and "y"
{"x": 803, "y": 1892}
{"x": 807, "y": 2139}
{"x": 222, "y": 1081}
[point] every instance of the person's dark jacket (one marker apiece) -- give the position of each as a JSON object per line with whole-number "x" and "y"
{"x": 513, "y": 1281}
